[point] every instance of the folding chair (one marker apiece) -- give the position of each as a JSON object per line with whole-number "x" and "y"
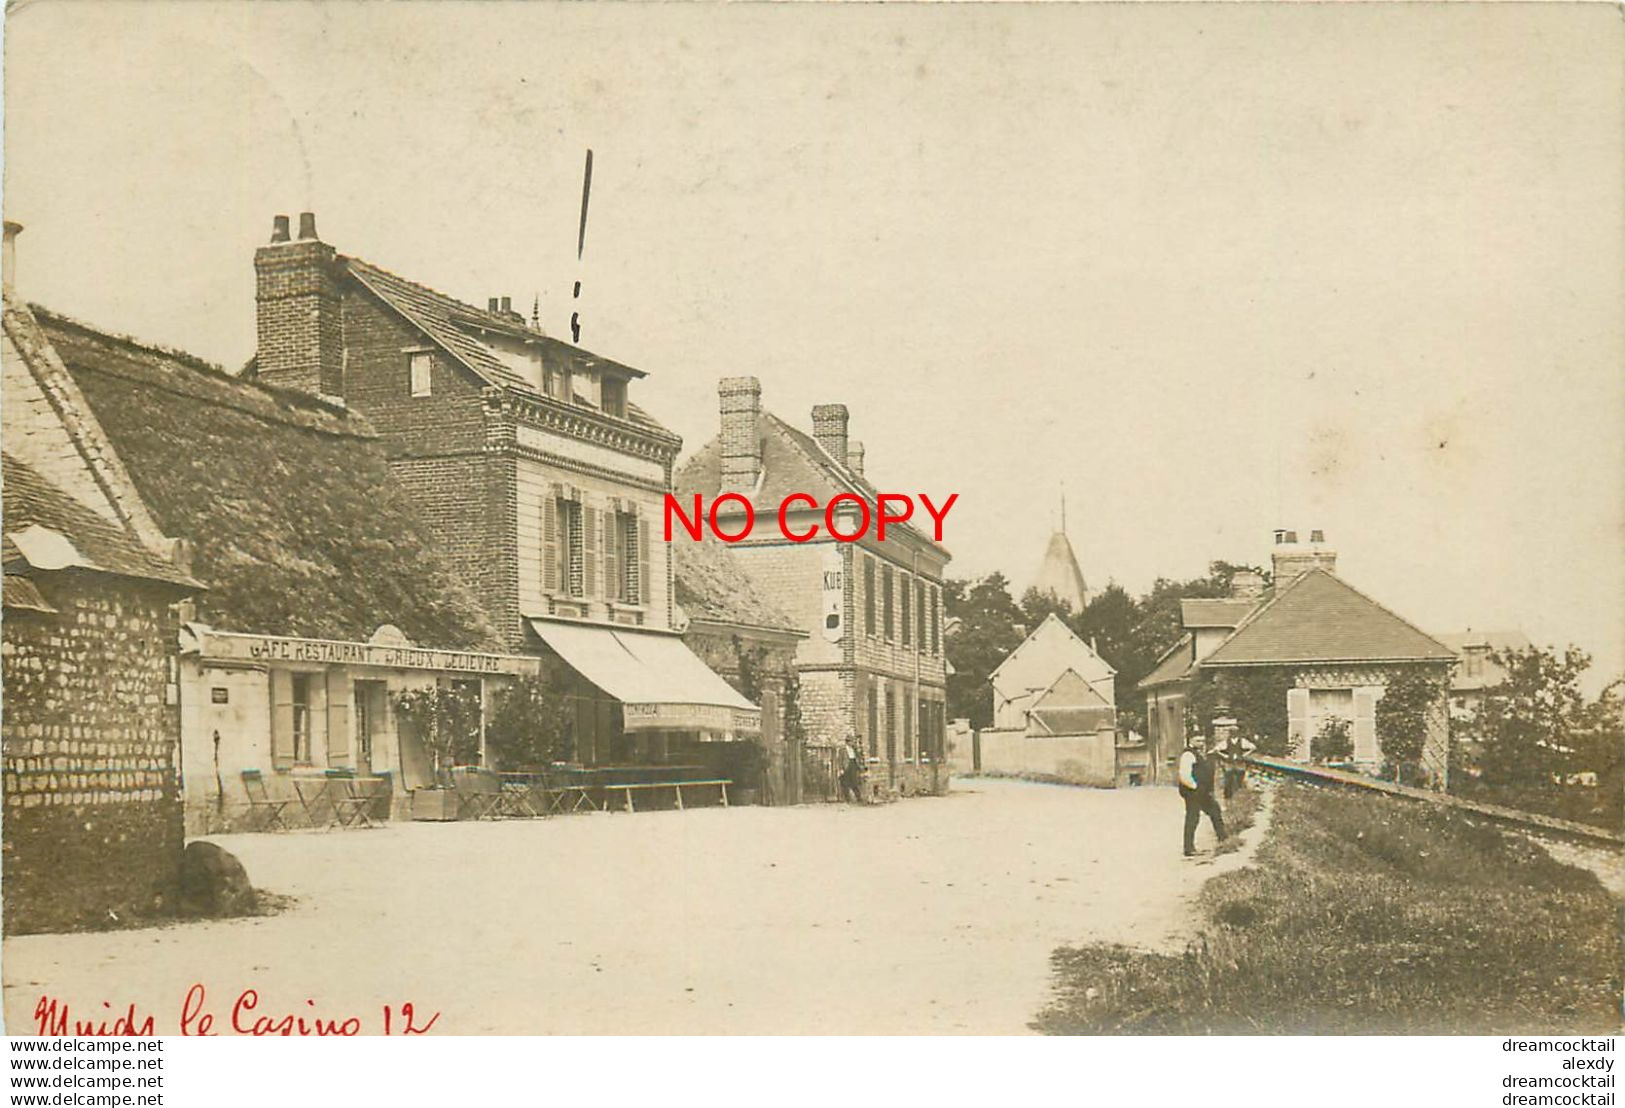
{"x": 350, "y": 808}
{"x": 261, "y": 801}
{"x": 478, "y": 793}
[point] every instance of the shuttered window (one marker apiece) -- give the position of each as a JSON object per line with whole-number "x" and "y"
{"x": 873, "y": 699}
{"x": 908, "y": 729}
{"x": 338, "y": 718}
{"x": 885, "y": 600}
{"x": 1297, "y": 723}
{"x": 920, "y": 591}
{"x": 905, "y": 607}
{"x": 281, "y": 719}
{"x": 1366, "y": 751}
{"x": 869, "y": 596}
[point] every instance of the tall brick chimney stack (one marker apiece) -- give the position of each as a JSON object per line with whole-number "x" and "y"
{"x": 829, "y": 428}
{"x": 300, "y": 325}
{"x": 741, "y": 403}
{"x": 854, "y": 457}
{"x": 1292, "y": 559}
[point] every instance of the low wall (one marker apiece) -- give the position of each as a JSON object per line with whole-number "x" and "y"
{"x": 1081, "y": 759}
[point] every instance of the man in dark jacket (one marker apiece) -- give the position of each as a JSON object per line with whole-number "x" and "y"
{"x": 1197, "y": 767}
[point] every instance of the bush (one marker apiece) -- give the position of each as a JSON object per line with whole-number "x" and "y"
{"x": 1404, "y": 715}
{"x": 1334, "y": 742}
{"x": 530, "y": 726}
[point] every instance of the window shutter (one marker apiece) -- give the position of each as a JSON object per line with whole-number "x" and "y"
{"x": 645, "y": 593}
{"x": 1297, "y": 723}
{"x": 550, "y": 543}
{"x": 338, "y": 718}
{"x": 589, "y": 556}
{"x": 920, "y": 626}
{"x": 281, "y": 718}
{"x": 869, "y": 594}
{"x": 1365, "y": 726}
{"x": 614, "y": 583}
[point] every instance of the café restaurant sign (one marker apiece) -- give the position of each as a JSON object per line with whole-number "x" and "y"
{"x": 230, "y": 646}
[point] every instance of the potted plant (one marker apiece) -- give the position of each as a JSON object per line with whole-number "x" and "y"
{"x": 445, "y": 720}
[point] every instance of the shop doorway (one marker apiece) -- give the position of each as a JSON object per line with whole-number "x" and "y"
{"x": 370, "y": 708}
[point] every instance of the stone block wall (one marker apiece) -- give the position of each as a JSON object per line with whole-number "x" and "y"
{"x": 92, "y": 806}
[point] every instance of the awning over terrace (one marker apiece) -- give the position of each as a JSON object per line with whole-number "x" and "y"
{"x": 662, "y": 684}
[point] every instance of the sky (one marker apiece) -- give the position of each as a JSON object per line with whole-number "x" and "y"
{"x": 1217, "y": 268}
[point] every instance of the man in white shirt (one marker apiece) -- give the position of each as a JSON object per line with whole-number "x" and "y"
{"x": 1195, "y": 776}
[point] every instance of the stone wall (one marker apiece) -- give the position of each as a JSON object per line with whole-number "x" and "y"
{"x": 1079, "y": 759}
{"x": 93, "y": 824}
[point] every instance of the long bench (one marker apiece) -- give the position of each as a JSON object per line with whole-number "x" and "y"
{"x": 628, "y": 788}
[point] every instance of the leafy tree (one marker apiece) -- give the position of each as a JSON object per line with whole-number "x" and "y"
{"x": 987, "y": 633}
{"x": 1404, "y": 715}
{"x": 1254, "y": 697}
{"x": 1534, "y": 725}
{"x": 446, "y": 720}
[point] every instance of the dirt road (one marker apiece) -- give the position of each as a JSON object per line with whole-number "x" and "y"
{"x": 929, "y": 916}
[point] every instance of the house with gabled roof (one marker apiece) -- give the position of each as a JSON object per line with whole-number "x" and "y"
{"x": 1335, "y": 648}
{"x": 91, "y": 739}
{"x": 535, "y": 469}
{"x": 872, "y": 669}
{"x": 328, "y": 595}
{"x": 1054, "y": 712}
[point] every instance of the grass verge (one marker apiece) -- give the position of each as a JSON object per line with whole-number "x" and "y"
{"x": 1368, "y": 915}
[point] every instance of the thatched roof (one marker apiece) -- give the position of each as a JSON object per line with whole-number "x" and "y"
{"x": 296, "y": 523}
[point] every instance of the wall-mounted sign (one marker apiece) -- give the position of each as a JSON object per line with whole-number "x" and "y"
{"x": 226, "y": 646}
{"x": 834, "y": 594}
{"x": 219, "y": 695}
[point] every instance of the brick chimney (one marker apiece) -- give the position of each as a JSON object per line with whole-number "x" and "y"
{"x": 829, "y": 428}
{"x": 1293, "y": 559}
{"x": 741, "y": 403}
{"x": 1245, "y": 584}
{"x": 854, "y": 457}
{"x": 300, "y": 325}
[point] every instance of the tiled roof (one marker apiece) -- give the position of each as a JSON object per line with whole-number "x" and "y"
{"x": 1174, "y": 665}
{"x": 21, "y": 594}
{"x": 96, "y": 543}
{"x": 296, "y": 523}
{"x": 1321, "y": 618}
{"x": 712, "y": 586}
{"x": 792, "y": 461}
{"x": 1214, "y": 613}
{"x": 457, "y": 327}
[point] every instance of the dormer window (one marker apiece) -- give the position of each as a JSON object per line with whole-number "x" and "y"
{"x": 418, "y": 363}
{"x": 614, "y": 392}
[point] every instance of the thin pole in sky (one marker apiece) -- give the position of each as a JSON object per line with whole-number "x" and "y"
{"x": 581, "y": 243}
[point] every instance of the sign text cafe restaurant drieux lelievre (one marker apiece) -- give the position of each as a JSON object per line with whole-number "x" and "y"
{"x": 285, "y": 705}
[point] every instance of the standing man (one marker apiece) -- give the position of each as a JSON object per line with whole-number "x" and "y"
{"x": 1232, "y": 750}
{"x": 851, "y": 774}
{"x": 1196, "y": 769}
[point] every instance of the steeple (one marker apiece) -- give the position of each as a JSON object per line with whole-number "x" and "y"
{"x": 1059, "y": 574}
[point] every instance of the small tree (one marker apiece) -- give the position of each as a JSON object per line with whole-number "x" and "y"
{"x": 1531, "y": 722}
{"x": 1334, "y": 742}
{"x": 530, "y": 725}
{"x": 446, "y": 719}
{"x": 1404, "y": 715}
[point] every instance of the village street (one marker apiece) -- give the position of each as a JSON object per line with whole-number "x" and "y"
{"x": 929, "y": 916}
